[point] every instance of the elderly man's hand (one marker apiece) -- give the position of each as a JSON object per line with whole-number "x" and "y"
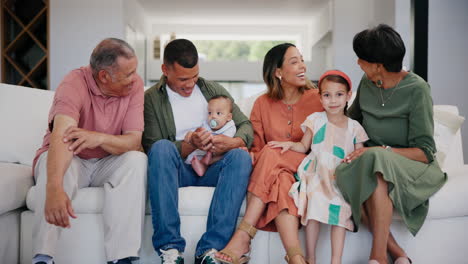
{"x": 82, "y": 139}
{"x": 222, "y": 144}
{"x": 58, "y": 207}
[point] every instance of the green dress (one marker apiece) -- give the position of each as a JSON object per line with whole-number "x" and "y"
{"x": 404, "y": 121}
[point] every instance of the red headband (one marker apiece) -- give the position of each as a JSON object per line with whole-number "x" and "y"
{"x": 336, "y": 72}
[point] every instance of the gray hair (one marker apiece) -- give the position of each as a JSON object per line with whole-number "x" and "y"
{"x": 106, "y": 53}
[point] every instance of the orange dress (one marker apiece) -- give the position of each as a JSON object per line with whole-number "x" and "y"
{"x": 273, "y": 173}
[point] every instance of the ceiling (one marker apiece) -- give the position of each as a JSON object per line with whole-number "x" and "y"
{"x": 230, "y": 9}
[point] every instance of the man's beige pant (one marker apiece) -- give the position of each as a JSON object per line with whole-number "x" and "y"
{"x": 124, "y": 180}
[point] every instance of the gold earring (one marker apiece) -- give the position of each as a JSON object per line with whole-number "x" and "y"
{"x": 379, "y": 83}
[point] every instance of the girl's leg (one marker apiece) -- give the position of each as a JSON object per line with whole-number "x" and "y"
{"x": 393, "y": 248}
{"x": 338, "y": 235}
{"x": 240, "y": 241}
{"x": 288, "y": 228}
{"x": 379, "y": 208}
{"x": 312, "y": 230}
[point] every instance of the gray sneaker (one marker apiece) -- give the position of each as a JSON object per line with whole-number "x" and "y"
{"x": 171, "y": 256}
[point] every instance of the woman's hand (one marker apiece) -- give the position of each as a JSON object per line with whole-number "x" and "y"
{"x": 355, "y": 154}
{"x": 286, "y": 145}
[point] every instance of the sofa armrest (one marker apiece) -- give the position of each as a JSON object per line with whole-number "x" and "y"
{"x": 15, "y": 181}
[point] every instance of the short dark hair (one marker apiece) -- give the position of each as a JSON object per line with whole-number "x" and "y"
{"x": 273, "y": 60}
{"x": 381, "y": 44}
{"x": 106, "y": 53}
{"x": 181, "y": 51}
{"x": 222, "y": 96}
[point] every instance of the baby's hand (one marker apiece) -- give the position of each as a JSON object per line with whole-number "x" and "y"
{"x": 285, "y": 145}
{"x": 188, "y": 137}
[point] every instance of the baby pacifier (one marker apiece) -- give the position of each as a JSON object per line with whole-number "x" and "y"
{"x": 213, "y": 123}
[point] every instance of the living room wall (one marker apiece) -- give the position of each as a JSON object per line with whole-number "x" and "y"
{"x": 75, "y": 29}
{"x": 448, "y": 58}
{"x": 77, "y": 26}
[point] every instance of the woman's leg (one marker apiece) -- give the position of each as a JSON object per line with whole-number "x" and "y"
{"x": 288, "y": 228}
{"x": 393, "y": 248}
{"x": 338, "y": 235}
{"x": 240, "y": 241}
{"x": 379, "y": 208}
{"x": 312, "y": 230}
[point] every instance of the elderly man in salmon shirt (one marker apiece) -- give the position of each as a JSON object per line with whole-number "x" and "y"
{"x": 95, "y": 129}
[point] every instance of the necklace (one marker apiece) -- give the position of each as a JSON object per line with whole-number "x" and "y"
{"x": 390, "y": 96}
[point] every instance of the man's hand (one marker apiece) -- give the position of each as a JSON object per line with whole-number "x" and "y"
{"x": 201, "y": 139}
{"x": 82, "y": 139}
{"x": 222, "y": 144}
{"x": 58, "y": 207}
{"x": 188, "y": 137}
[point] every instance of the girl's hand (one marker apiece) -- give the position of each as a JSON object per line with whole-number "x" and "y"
{"x": 278, "y": 144}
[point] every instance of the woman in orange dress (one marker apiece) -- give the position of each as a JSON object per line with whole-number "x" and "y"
{"x": 276, "y": 116}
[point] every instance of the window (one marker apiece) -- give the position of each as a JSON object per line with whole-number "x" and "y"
{"x": 235, "y": 50}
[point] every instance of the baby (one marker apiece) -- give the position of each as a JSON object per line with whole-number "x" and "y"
{"x": 219, "y": 122}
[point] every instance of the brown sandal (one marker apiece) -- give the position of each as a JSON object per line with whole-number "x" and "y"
{"x": 292, "y": 252}
{"x": 251, "y": 231}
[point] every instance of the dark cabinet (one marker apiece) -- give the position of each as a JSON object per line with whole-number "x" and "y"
{"x": 24, "y": 28}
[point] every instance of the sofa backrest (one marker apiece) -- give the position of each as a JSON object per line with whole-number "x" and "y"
{"x": 23, "y": 117}
{"x": 453, "y": 144}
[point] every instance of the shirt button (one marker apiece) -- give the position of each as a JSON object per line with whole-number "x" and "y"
{"x": 289, "y": 122}
{"x": 289, "y": 107}
{"x": 288, "y": 136}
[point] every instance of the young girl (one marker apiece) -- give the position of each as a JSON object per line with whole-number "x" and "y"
{"x": 330, "y": 135}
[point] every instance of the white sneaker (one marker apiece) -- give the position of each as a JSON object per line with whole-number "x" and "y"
{"x": 208, "y": 257}
{"x": 171, "y": 256}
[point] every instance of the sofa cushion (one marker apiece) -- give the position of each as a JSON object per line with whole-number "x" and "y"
{"x": 87, "y": 201}
{"x": 193, "y": 201}
{"x": 23, "y": 115}
{"x": 450, "y": 200}
{"x": 15, "y": 182}
{"x": 446, "y": 126}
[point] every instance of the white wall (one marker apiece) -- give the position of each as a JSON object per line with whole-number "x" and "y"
{"x": 447, "y": 56}
{"x": 136, "y": 24}
{"x": 76, "y": 27}
{"x": 343, "y": 32}
{"x": 403, "y": 26}
{"x": 1, "y": 48}
{"x": 366, "y": 14}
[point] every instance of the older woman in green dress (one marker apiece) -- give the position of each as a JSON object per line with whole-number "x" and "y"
{"x": 396, "y": 170}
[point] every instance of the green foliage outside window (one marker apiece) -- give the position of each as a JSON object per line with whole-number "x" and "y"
{"x": 235, "y": 50}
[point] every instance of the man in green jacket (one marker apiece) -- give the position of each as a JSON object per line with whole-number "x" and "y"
{"x": 176, "y": 105}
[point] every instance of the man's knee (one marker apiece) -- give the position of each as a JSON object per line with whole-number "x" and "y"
{"x": 136, "y": 163}
{"x": 161, "y": 148}
{"x": 240, "y": 161}
{"x": 239, "y": 155}
{"x": 136, "y": 158}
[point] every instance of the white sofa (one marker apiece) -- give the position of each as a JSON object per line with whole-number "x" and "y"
{"x": 23, "y": 115}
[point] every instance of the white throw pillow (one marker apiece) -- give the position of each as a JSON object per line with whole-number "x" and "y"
{"x": 446, "y": 126}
